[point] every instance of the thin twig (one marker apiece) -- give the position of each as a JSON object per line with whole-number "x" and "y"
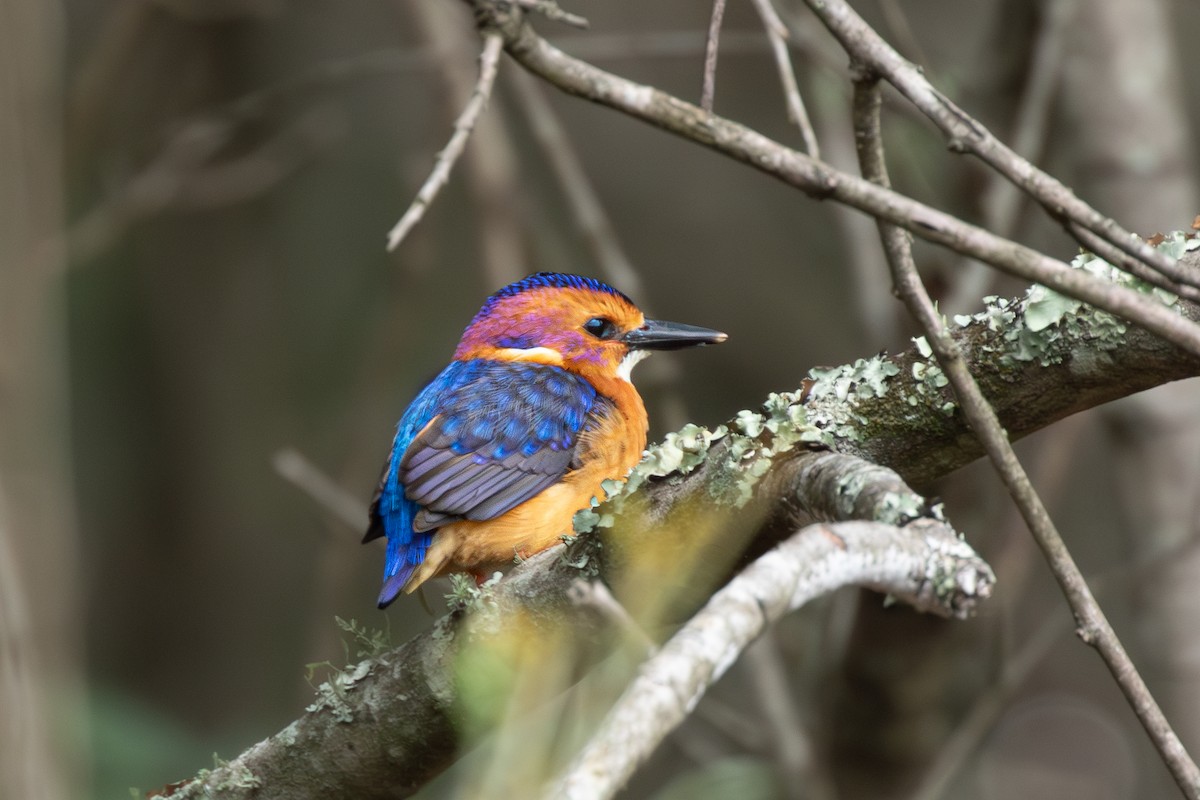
{"x": 595, "y": 594}
{"x": 777, "y": 35}
{"x": 586, "y": 209}
{"x": 897, "y": 22}
{"x": 967, "y": 134}
{"x": 788, "y": 737}
{"x": 1000, "y": 200}
{"x": 1093, "y": 626}
{"x": 1126, "y": 263}
{"x": 325, "y": 492}
{"x": 488, "y": 61}
{"x": 982, "y": 717}
{"x": 816, "y": 560}
{"x": 552, "y": 11}
{"x": 710, "y": 56}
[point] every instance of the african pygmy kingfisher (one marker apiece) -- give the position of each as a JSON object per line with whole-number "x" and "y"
{"x": 497, "y": 453}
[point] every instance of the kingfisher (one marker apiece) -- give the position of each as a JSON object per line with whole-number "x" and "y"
{"x": 495, "y": 455}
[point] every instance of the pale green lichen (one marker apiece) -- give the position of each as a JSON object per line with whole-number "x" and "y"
{"x": 1043, "y": 326}
{"x": 837, "y": 391}
{"x": 369, "y": 642}
{"x": 289, "y": 735}
{"x": 467, "y": 596}
{"x": 331, "y": 695}
{"x": 678, "y": 453}
{"x": 756, "y": 440}
{"x": 900, "y": 508}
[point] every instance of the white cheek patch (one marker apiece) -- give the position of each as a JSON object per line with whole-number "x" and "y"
{"x": 631, "y": 360}
{"x": 539, "y": 355}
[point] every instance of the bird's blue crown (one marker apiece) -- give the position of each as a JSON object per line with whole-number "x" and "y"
{"x": 549, "y": 280}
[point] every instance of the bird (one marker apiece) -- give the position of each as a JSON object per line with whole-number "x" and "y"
{"x": 495, "y": 455}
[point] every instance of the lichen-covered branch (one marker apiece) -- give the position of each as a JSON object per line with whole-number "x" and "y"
{"x": 924, "y": 564}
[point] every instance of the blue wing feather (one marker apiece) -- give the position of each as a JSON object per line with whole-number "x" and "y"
{"x": 481, "y": 438}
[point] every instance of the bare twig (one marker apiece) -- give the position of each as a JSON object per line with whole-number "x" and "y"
{"x": 1000, "y": 200}
{"x": 595, "y": 594}
{"x": 488, "y": 61}
{"x": 819, "y": 179}
{"x": 586, "y": 208}
{"x": 967, "y": 134}
{"x": 1093, "y": 626}
{"x": 777, "y": 35}
{"x": 1127, "y": 263}
{"x": 710, "y": 56}
{"x": 803, "y": 772}
{"x": 984, "y": 713}
{"x": 325, "y": 492}
{"x": 552, "y": 11}
{"x": 898, "y": 25}
{"x": 907, "y": 563}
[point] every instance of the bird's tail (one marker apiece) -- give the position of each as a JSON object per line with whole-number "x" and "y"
{"x": 395, "y": 584}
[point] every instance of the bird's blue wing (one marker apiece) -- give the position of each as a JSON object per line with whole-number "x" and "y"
{"x": 482, "y": 438}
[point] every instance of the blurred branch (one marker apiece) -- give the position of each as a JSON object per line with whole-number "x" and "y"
{"x": 805, "y": 775}
{"x": 488, "y": 61}
{"x": 1093, "y": 625}
{"x": 924, "y": 564}
{"x": 185, "y": 174}
{"x": 324, "y": 491}
{"x": 822, "y": 181}
{"x": 777, "y": 35}
{"x": 709, "y": 88}
{"x": 27, "y": 753}
{"x": 586, "y": 209}
{"x": 41, "y": 576}
{"x": 552, "y": 11}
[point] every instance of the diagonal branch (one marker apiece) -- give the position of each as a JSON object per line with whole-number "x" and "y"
{"x": 924, "y": 564}
{"x": 709, "y": 88}
{"x": 777, "y": 35}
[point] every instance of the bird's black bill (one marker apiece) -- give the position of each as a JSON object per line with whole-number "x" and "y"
{"x": 659, "y": 335}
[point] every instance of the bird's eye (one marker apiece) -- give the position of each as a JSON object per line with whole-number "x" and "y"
{"x": 601, "y": 328}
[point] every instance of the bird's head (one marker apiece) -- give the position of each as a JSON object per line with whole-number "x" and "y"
{"x": 577, "y": 323}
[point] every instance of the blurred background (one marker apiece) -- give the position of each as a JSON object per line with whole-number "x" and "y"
{"x": 204, "y": 348}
